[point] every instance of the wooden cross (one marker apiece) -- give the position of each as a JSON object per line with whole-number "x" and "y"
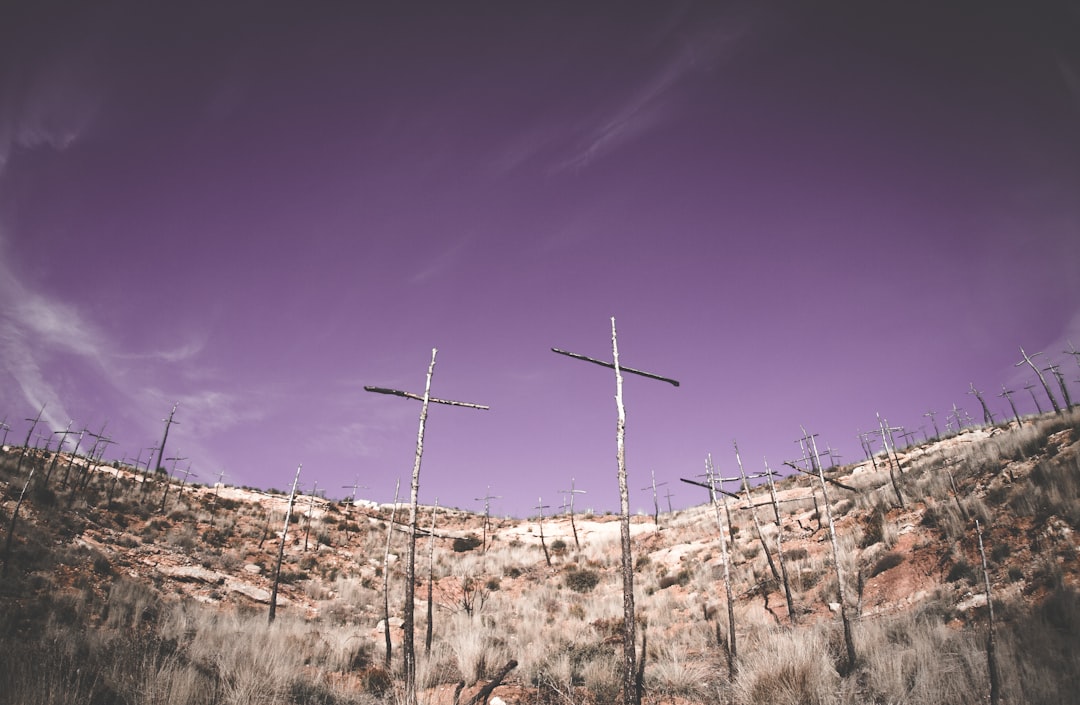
{"x": 1046, "y": 387}
{"x": 631, "y": 691}
{"x": 655, "y": 499}
{"x": 1056, "y": 371}
{"x": 33, "y": 424}
{"x": 486, "y": 499}
{"x": 988, "y": 418}
{"x": 1007, "y": 393}
{"x": 933, "y": 419}
{"x": 161, "y": 448}
{"x": 570, "y": 506}
{"x": 1031, "y": 389}
{"x": 408, "y": 643}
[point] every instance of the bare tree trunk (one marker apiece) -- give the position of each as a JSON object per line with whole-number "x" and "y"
{"x": 848, "y": 641}
{"x": 386, "y": 577}
{"x": 780, "y": 546}
{"x": 14, "y": 519}
{"x": 629, "y": 624}
{"x": 431, "y": 581}
{"x": 991, "y": 644}
{"x": 281, "y": 547}
{"x": 753, "y": 514}
{"x": 408, "y": 643}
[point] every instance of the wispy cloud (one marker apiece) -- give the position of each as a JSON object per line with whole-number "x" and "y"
{"x": 649, "y": 103}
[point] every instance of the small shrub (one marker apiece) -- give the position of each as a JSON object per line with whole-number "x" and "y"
{"x": 887, "y": 561}
{"x": 961, "y": 570}
{"x": 582, "y": 580}
{"x": 558, "y": 547}
{"x": 466, "y": 543}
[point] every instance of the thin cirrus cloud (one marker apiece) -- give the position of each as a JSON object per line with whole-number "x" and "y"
{"x": 648, "y": 105}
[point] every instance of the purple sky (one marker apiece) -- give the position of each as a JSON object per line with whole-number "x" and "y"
{"x": 806, "y": 214}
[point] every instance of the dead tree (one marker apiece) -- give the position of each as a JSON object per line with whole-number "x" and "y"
{"x": 725, "y": 562}
{"x": 655, "y": 500}
{"x": 988, "y": 418}
{"x": 570, "y": 495}
{"x": 1007, "y": 393}
{"x": 217, "y": 487}
{"x": 310, "y": 511}
{"x": 486, "y": 499}
{"x": 543, "y": 544}
{"x": 1056, "y": 371}
{"x": 780, "y": 544}
{"x": 26, "y": 444}
{"x": 1042, "y": 380}
{"x": 281, "y": 546}
{"x": 12, "y": 523}
{"x": 431, "y": 581}
{"x": 1031, "y": 390}
{"x": 754, "y": 516}
{"x": 386, "y": 577}
{"x": 892, "y": 472}
{"x": 848, "y": 641}
{"x": 161, "y": 448}
{"x": 168, "y": 481}
{"x": 933, "y": 418}
{"x": 352, "y": 502}
{"x": 629, "y": 670}
{"x": 56, "y": 456}
{"x": 408, "y": 642}
{"x": 991, "y": 645}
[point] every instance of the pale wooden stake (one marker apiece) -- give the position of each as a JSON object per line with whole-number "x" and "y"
{"x": 386, "y": 577}
{"x": 409, "y": 640}
{"x": 1046, "y": 387}
{"x": 431, "y": 581}
{"x": 780, "y": 545}
{"x": 991, "y": 645}
{"x": 281, "y": 546}
{"x": 848, "y": 641}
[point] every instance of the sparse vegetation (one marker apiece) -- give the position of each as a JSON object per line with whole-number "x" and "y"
{"x": 123, "y": 605}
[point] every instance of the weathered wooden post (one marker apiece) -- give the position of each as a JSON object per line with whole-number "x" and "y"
{"x": 543, "y": 544}
{"x": 780, "y": 543}
{"x": 217, "y": 487}
{"x": 281, "y": 546}
{"x": 161, "y": 448}
{"x": 26, "y": 444}
{"x": 656, "y": 500}
{"x": 310, "y": 511}
{"x": 1038, "y": 373}
{"x": 725, "y": 561}
{"x": 5, "y": 428}
{"x": 386, "y": 577}
{"x": 1056, "y": 371}
{"x": 431, "y": 581}
{"x": 892, "y": 472}
{"x": 668, "y": 496}
{"x": 168, "y": 481}
{"x": 991, "y": 645}
{"x": 754, "y": 516}
{"x": 71, "y": 457}
{"x": 408, "y": 642}
{"x": 631, "y": 691}
{"x": 848, "y": 641}
{"x": 988, "y": 418}
{"x": 486, "y": 499}
{"x": 1007, "y": 393}
{"x": 933, "y": 418}
{"x": 570, "y": 506}
{"x": 1031, "y": 390}
{"x": 60, "y": 447}
{"x": 352, "y": 502}
{"x": 14, "y": 519}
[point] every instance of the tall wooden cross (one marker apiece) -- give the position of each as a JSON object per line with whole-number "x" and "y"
{"x": 1007, "y": 393}
{"x": 631, "y": 687}
{"x": 161, "y": 448}
{"x": 1038, "y": 373}
{"x": 408, "y": 642}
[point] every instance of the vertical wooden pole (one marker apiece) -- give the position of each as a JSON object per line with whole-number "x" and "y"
{"x": 631, "y": 696}
{"x": 991, "y": 645}
{"x": 386, "y": 578}
{"x": 431, "y": 581}
{"x": 281, "y": 546}
{"x": 780, "y": 545}
{"x": 848, "y": 640}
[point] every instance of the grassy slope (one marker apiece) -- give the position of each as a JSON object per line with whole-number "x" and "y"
{"x": 104, "y": 604}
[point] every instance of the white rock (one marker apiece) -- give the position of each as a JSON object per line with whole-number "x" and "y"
{"x": 252, "y": 568}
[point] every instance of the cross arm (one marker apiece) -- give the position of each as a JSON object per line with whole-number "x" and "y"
{"x": 419, "y": 397}
{"x": 611, "y": 365}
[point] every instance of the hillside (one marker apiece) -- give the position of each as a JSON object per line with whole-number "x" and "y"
{"x": 108, "y": 598}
